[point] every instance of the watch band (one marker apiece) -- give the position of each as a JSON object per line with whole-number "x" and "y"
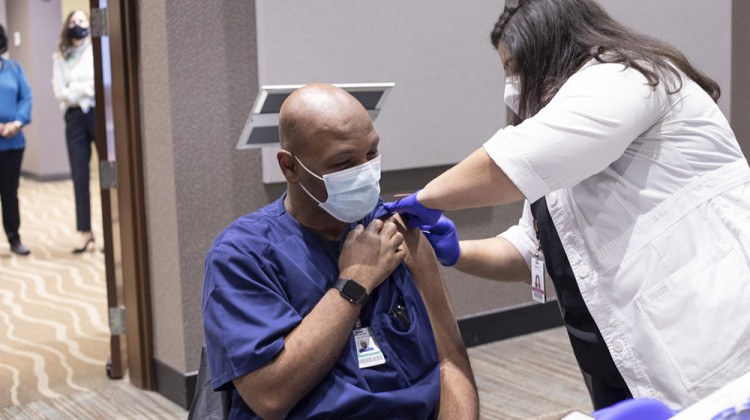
{"x": 352, "y": 291}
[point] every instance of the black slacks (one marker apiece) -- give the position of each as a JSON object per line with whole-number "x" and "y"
{"x": 604, "y": 394}
{"x": 79, "y": 134}
{"x": 10, "y": 172}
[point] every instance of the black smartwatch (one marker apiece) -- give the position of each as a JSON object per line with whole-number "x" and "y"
{"x": 352, "y": 291}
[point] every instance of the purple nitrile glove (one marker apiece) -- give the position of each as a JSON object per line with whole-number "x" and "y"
{"x": 444, "y": 240}
{"x": 416, "y": 214}
{"x": 639, "y": 408}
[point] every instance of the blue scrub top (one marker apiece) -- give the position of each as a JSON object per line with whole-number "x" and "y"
{"x": 265, "y": 273}
{"x": 15, "y": 102}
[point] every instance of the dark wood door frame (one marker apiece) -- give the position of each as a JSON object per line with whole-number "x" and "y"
{"x": 123, "y": 43}
{"x": 116, "y": 367}
{"x": 131, "y": 192}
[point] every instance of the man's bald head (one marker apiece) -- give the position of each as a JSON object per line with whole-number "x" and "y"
{"x": 320, "y": 110}
{"x": 330, "y": 131}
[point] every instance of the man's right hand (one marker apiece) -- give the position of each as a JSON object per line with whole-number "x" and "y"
{"x": 370, "y": 255}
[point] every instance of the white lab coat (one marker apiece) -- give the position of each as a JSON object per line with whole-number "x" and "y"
{"x": 650, "y": 195}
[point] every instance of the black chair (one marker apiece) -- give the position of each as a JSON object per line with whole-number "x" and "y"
{"x": 208, "y": 404}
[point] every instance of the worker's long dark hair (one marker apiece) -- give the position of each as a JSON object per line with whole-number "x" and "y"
{"x": 549, "y": 40}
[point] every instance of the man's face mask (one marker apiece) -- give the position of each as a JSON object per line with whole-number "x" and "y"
{"x": 352, "y": 193}
{"x": 512, "y": 95}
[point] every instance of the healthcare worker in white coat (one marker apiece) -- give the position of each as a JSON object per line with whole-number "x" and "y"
{"x": 639, "y": 193}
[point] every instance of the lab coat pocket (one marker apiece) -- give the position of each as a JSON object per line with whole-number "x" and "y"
{"x": 699, "y": 317}
{"x": 414, "y": 347}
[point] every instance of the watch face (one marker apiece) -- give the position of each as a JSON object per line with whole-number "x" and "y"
{"x": 353, "y": 290}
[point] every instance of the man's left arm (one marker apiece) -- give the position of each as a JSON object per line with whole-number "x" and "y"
{"x": 458, "y": 392}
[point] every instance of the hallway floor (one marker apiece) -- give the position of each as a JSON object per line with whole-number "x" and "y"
{"x": 54, "y": 332}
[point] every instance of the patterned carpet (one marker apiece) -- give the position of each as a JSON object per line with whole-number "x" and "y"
{"x": 54, "y": 331}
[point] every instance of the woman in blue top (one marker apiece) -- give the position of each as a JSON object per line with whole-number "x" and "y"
{"x": 15, "y": 112}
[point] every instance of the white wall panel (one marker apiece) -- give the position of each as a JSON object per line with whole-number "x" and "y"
{"x": 449, "y": 80}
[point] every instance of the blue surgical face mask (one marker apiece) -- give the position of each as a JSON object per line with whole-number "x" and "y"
{"x": 352, "y": 193}
{"x": 512, "y": 95}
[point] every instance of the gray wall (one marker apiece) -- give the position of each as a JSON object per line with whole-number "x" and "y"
{"x": 741, "y": 73}
{"x": 449, "y": 80}
{"x": 198, "y": 82}
{"x": 3, "y": 18}
{"x": 199, "y": 79}
{"x": 166, "y": 287}
{"x": 701, "y": 29}
{"x": 39, "y": 23}
{"x": 198, "y": 75}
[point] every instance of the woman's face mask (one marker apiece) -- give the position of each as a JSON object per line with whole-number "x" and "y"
{"x": 78, "y": 32}
{"x": 512, "y": 94}
{"x": 352, "y": 193}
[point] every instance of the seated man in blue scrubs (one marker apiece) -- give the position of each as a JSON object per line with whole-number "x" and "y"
{"x": 294, "y": 291}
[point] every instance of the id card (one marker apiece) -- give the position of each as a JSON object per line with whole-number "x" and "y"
{"x": 537, "y": 279}
{"x": 368, "y": 351}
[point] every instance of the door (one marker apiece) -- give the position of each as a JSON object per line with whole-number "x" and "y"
{"x": 105, "y": 142}
{"x": 121, "y": 174}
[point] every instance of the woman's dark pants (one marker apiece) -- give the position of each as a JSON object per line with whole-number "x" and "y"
{"x": 10, "y": 172}
{"x": 79, "y": 134}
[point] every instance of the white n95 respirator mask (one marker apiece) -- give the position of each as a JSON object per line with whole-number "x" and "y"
{"x": 352, "y": 193}
{"x": 512, "y": 95}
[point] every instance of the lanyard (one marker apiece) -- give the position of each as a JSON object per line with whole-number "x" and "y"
{"x": 538, "y": 291}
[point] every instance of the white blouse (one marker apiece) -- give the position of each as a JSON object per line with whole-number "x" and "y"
{"x": 73, "y": 78}
{"x": 650, "y": 195}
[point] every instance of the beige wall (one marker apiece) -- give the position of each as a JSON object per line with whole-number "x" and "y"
{"x": 70, "y": 5}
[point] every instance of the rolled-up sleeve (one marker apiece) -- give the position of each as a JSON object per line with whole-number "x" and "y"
{"x": 522, "y": 236}
{"x": 588, "y": 125}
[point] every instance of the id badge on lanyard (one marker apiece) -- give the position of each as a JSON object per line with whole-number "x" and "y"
{"x": 368, "y": 351}
{"x": 538, "y": 292}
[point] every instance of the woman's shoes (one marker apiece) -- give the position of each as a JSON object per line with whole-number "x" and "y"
{"x": 18, "y": 248}
{"x": 85, "y": 246}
